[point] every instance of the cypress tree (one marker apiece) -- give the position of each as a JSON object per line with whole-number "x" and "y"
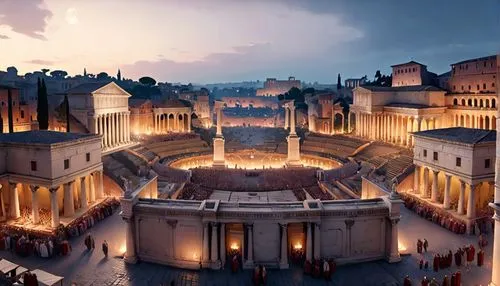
{"x": 339, "y": 85}
{"x": 66, "y": 106}
{"x": 43, "y": 107}
{"x": 11, "y": 119}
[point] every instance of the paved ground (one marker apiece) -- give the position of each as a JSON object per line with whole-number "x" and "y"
{"x": 91, "y": 268}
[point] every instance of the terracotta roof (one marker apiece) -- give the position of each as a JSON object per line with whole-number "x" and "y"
{"x": 460, "y": 135}
{"x": 41, "y": 137}
{"x": 476, "y": 59}
{"x": 409, "y": 63}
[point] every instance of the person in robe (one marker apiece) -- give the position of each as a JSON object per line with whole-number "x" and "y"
{"x": 326, "y": 270}
{"x": 446, "y": 282}
{"x": 435, "y": 263}
{"x": 425, "y": 281}
{"x": 317, "y": 269}
{"x": 480, "y": 258}
{"x": 419, "y": 246}
{"x": 307, "y": 267}
{"x": 434, "y": 282}
{"x": 235, "y": 264}
{"x": 105, "y": 248}
{"x": 421, "y": 264}
{"x": 458, "y": 257}
{"x": 426, "y": 245}
{"x": 407, "y": 281}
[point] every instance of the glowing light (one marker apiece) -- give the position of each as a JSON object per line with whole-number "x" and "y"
{"x": 195, "y": 256}
{"x": 297, "y": 246}
{"x": 401, "y": 247}
{"x": 234, "y": 246}
{"x": 123, "y": 248}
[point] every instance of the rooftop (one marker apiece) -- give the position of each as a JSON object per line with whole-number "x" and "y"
{"x": 402, "y": 88}
{"x": 409, "y": 63}
{"x": 460, "y": 135}
{"x": 41, "y": 137}
{"x": 86, "y": 88}
{"x": 171, "y": 103}
{"x": 408, "y": 105}
{"x": 476, "y": 59}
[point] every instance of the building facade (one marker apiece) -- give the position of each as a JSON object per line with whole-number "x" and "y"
{"x": 411, "y": 73}
{"x": 46, "y": 170}
{"x": 275, "y": 87}
{"x": 21, "y": 114}
{"x": 103, "y": 109}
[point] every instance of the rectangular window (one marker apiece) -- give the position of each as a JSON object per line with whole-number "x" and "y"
{"x": 435, "y": 156}
{"x": 425, "y": 153}
{"x": 88, "y": 157}
{"x": 487, "y": 163}
{"x": 66, "y": 164}
{"x": 458, "y": 162}
{"x": 33, "y": 166}
{"x": 22, "y": 113}
{"x": 484, "y": 86}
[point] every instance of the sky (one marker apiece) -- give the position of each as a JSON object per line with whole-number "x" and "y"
{"x": 206, "y": 41}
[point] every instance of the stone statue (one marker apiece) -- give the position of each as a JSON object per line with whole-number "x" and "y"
{"x": 394, "y": 192}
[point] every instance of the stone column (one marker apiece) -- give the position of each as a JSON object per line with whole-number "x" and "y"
{"x": 471, "y": 203}
{"x": 447, "y": 186}
{"x": 100, "y": 188}
{"x": 130, "y": 256}
{"x": 69, "y": 204}
{"x": 206, "y": 247}
{"x": 120, "y": 128}
{"x": 117, "y": 128}
{"x": 104, "y": 130}
{"x": 83, "y": 194}
{"x": 96, "y": 124}
{"x": 286, "y": 117}
{"x": 419, "y": 124}
{"x": 250, "y": 244}
{"x": 309, "y": 244}
{"x": 348, "y": 224}
{"x": 317, "y": 241}
{"x": 222, "y": 249}
{"x": 127, "y": 122}
{"x": 111, "y": 130}
{"x": 409, "y": 128}
{"x": 2, "y": 202}
{"x": 460, "y": 209}
{"x": 292, "y": 120}
{"x": 15, "y": 211}
{"x": 284, "y": 246}
{"x": 416, "y": 179}
{"x": 35, "y": 213}
{"x": 189, "y": 123}
{"x": 92, "y": 188}
{"x": 349, "y": 122}
{"x": 394, "y": 255}
{"x": 166, "y": 123}
{"x": 54, "y": 208}
{"x": 219, "y": 122}
{"x": 214, "y": 247}
{"x": 343, "y": 123}
{"x": 434, "y": 194}
{"x": 426, "y": 183}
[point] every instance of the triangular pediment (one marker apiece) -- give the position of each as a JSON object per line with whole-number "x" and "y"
{"x": 111, "y": 89}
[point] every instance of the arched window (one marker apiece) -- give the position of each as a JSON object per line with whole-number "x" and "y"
{"x": 455, "y": 101}
{"x": 487, "y": 103}
{"x": 463, "y": 102}
{"x": 493, "y": 103}
{"x": 469, "y": 102}
{"x": 475, "y": 102}
{"x": 480, "y": 103}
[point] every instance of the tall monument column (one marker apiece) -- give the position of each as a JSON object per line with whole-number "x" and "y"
{"x": 219, "y": 156}
{"x": 495, "y": 268}
{"x": 293, "y": 158}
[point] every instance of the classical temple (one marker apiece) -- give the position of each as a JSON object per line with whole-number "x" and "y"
{"x": 48, "y": 178}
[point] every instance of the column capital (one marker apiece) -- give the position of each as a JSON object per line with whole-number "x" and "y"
{"x": 249, "y": 225}
{"x": 82, "y": 179}
{"x": 70, "y": 183}
{"x": 283, "y": 225}
{"x": 53, "y": 189}
{"x": 395, "y": 220}
{"x": 34, "y": 188}
{"x": 12, "y": 184}
{"x": 214, "y": 223}
{"x": 349, "y": 223}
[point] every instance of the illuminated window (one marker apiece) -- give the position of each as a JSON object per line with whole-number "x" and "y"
{"x": 458, "y": 162}
{"x": 487, "y": 163}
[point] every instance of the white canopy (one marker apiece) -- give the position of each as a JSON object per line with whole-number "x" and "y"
{"x": 45, "y": 278}
{"x": 7, "y": 266}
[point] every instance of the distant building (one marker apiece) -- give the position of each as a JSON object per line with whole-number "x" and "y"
{"x": 20, "y": 112}
{"x": 412, "y": 73}
{"x": 354, "y": 82}
{"x": 251, "y": 101}
{"x": 274, "y": 87}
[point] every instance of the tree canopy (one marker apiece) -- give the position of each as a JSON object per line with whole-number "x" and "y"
{"x": 102, "y": 76}
{"x": 146, "y": 80}
{"x": 58, "y": 74}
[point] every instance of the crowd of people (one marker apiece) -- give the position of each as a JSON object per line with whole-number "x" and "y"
{"x": 165, "y": 137}
{"x": 194, "y": 192}
{"x": 434, "y": 214}
{"x": 24, "y": 244}
{"x": 267, "y": 180}
{"x": 94, "y": 215}
{"x": 318, "y": 194}
{"x": 320, "y": 268}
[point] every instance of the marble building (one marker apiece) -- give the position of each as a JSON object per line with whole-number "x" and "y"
{"x": 58, "y": 171}
{"x": 103, "y": 109}
{"x": 275, "y": 87}
{"x": 21, "y": 115}
{"x": 454, "y": 169}
{"x": 159, "y": 117}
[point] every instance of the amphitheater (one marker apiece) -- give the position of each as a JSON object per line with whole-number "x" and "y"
{"x": 182, "y": 211}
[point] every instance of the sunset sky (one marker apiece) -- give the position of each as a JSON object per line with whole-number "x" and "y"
{"x": 203, "y": 41}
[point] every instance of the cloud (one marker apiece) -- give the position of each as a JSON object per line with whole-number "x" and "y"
{"x": 41, "y": 62}
{"x": 3, "y": 37}
{"x": 27, "y": 17}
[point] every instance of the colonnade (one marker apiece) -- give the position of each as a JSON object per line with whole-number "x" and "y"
{"x": 177, "y": 122}
{"x": 474, "y": 121}
{"x": 428, "y": 191}
{"x": 114, "y": 128}
{"x": 214, "y": 244}
{"x": 85, "y": 197}
{"x": 392, "y": 128}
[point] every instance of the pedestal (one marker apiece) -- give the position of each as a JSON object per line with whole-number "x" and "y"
{"x": 293, "y": 159}
{"x": 219, "y": 157}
